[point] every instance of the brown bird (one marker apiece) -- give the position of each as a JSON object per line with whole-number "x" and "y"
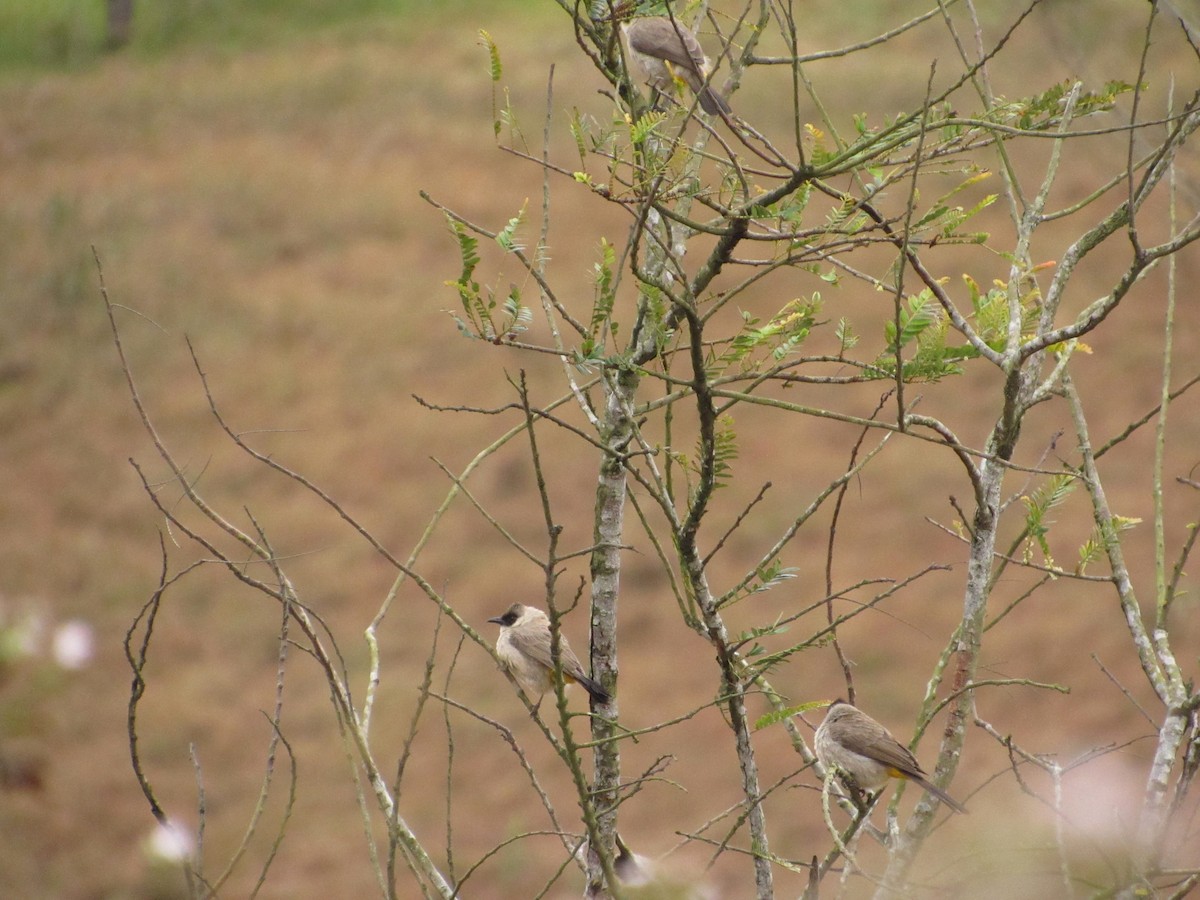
{"x": 853, "y": 742}
{"x": 524, "y": 647}
{"x": 666, "y": 51}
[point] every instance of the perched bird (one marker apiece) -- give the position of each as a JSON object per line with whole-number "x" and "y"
{"x": 853, "y": 742}
{"x": 665, "y": 51}
{"x": 524, "y": 647}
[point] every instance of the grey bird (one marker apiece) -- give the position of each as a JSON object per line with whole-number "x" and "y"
{"x": 853, "y": 742}
{"x": 664, "y": 50}
{"x": 524, "y": 648}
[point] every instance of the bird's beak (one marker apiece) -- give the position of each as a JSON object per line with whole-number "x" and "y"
{"x": 499, "y": 620}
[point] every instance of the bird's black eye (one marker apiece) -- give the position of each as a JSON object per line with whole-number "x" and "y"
{"x": 508, "y": 618}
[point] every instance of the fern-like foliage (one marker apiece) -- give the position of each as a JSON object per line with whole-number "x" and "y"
{"x": 1044, "y": 111}
{"x": 604, "y": 298}
{"x": 921, "y": 322}
{"x": 495, "y": 69}
{"x": 758, "y": 343}
{"x": 752, "y": 651}
{"x": 1038, "y": 506}
{"x": 920, "y": 313}
{"x": 480, "y": 305}
{"x": 780, "y": 715}
{"x": 724, "y": 451}
{"x": 507, "y": 238}
{"x": 645, "y": 126}
{"x": 1097, "y": 545}
{"x": 943, "y": 221}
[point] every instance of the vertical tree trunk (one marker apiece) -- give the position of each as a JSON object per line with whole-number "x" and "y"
{"x": 1001, "y": 446}
{"x": 119, "y": 23}
{"x": 606, "y": 578}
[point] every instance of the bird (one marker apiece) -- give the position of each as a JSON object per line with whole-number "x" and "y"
{"x": 632, "y": 869}
{"x": 524, "y": 648}
{"x": 853, "y": 742}
{"x": 652, "y": 879}
{"x": 647, "y": 878}
{"x": 666, "y": 51}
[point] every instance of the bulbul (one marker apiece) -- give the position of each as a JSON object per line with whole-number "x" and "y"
{"x": 632, "y": 869}
{"x": 664, "y": 50}
{"x": 636, "y": 871}
{"x": 852, "y": 741}
{"x": 524, "y": 647}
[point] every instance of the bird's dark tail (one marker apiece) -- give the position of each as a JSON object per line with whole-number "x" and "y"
{"x": 941, "y": 795}
{"x": 599, "y": 694}
{"x": 712, "y": 102}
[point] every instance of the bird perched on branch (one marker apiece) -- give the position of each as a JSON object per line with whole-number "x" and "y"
{"x": 666, "y": 52}
{"x": 853, "y": 742}
{"x": 524, "y": 648}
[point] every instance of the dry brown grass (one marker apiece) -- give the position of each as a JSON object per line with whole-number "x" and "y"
{"x": 265, "y": 204}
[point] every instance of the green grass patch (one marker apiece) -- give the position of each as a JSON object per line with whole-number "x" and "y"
{"x": 71, "y": 34}
{"x": 50, "y": 33}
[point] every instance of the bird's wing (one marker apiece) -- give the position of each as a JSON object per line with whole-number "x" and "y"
{"x": 886, "y": 750}
{"x": 664, "y": 39}
{"x": 536, "y": 645}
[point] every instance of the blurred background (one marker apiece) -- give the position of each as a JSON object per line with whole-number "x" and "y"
{"x": 248, "y": 174}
